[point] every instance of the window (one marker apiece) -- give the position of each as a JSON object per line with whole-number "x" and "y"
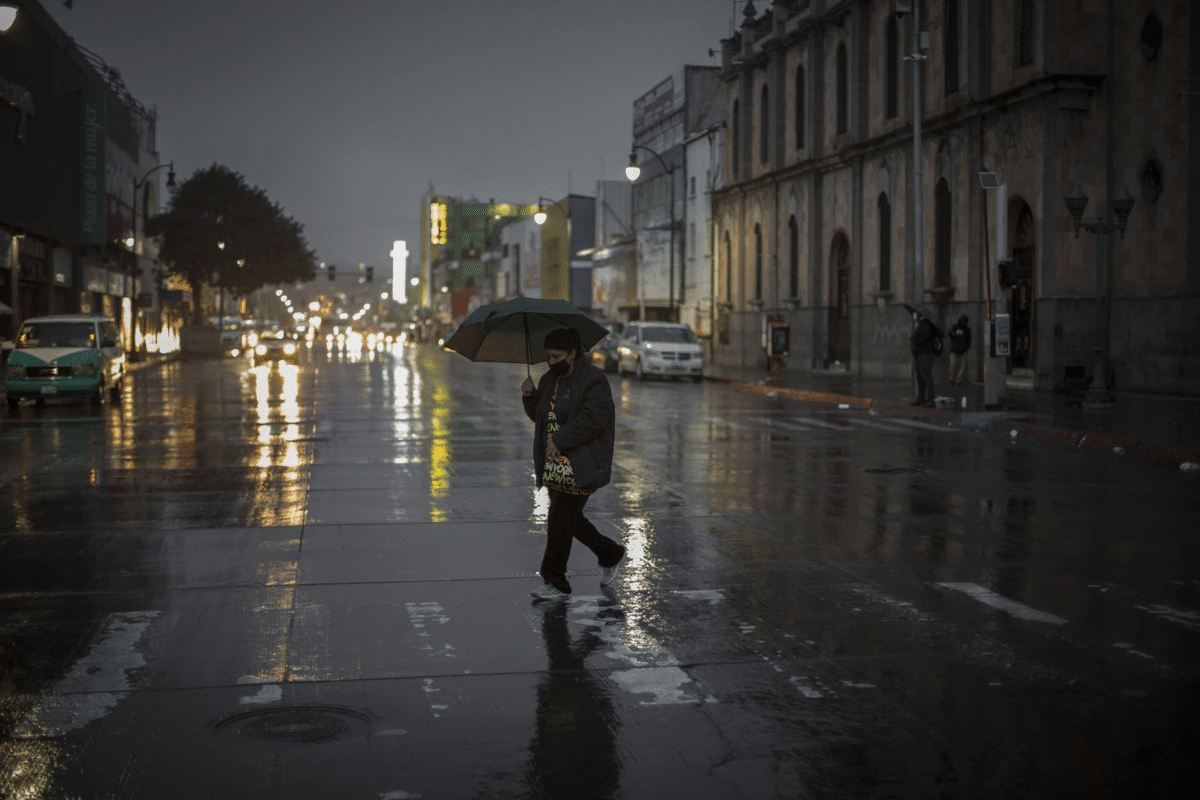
{"x": 843, "y": 111}
{"x": 735, "y": 132}
{"x": 692, "y": 239}
{"x": 1152, "y": 37}
{"x": 728, "y": 270}
{"x": 950, "y": 40}
{"x": 892, "y": 65}
{"x": 692, "y": 186}
{"x": 942, "y": 218}
{"x": 758, "y": 267}
{"x": 764, "y": 126}
{"x": 885, "y": 243}
{"x": 793, "y": 257}
{"x": 1025, "y": 43}
{"x": 800, "y": 108}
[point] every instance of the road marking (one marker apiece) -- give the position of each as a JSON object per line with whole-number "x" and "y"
{"x": 1188, "y": 619}
{"x": 1001, "y": 603}
{"x": 650, "y": 668}
{"x": 96, "y": 683}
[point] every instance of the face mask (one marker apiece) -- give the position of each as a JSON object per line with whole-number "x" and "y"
{"x": 559, "y": 368}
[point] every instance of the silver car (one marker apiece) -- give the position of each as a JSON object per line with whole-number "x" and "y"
{"x": 666, "y": 349}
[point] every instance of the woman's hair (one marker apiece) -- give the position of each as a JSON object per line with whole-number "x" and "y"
{"x": 565, "y": 339}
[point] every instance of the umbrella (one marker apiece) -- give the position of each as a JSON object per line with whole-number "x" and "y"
{"x": 512, "y": 331}
{"x": 923, "y": 310}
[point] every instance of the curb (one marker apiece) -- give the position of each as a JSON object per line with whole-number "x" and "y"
{"x": 1071, "y": 437}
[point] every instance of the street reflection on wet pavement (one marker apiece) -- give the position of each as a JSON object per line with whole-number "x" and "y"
{"x": 313, "y": 582}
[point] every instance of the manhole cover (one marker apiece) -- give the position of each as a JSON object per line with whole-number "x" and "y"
{"x": 893, "y": 471}
{"x": 296, "y": 724}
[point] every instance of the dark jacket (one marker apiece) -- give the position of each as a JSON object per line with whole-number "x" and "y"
{"x": 587, "y": 421}
{"x": 921, "y": 339}
{"x": 960, "y": 336}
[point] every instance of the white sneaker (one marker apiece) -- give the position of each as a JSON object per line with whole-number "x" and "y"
{"x": 549, "y": 591}
{"x": 609, "y": 574}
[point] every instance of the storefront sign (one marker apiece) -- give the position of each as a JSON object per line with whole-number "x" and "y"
{"x": 92, "y": 217}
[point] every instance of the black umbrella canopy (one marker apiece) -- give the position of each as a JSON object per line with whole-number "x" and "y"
{"x": 923, "y": 310}
{"x": 512, "y": 331}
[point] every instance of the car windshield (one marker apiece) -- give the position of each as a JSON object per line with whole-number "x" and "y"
{"x": 273, "y": 334}
{"x": 663, "y": 333}
{"x": 57, "y": 334}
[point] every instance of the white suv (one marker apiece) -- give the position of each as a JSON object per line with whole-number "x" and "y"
{"x": 660, "y": 348}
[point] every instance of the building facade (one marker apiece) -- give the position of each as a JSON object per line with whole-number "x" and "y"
{"x": 689, "y": 100}
{"x": 817, "y": 223}
{"x": 78, "y": 177}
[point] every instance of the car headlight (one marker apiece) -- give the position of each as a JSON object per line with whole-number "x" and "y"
{"x": 85, "y": 369}
{"x": 289, "y": 349}
{"x": 261, "y": 350}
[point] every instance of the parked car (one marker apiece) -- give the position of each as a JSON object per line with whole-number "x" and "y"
{"x": 660, "y": 348}
{"x": 604, "y": 353}
{"x": 275, "y": 344}
{"x": 67, "y": 355}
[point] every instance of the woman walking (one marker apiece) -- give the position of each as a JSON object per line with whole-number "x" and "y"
{"x": 574, "y": 426}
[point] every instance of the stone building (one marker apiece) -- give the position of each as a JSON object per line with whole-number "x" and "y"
{"x": 817, "y": 224}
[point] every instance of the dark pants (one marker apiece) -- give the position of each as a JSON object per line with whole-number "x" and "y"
{"x": 925, "y": 392}
{"x": 565, "y": 522}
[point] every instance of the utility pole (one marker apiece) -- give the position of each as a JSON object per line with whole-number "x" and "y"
{"x": 915, "y": 58}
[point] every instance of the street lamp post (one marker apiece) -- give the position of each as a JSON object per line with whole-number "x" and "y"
{"x": 633, "y": 172}
{"x": 132, "y": 242}
{"x": 1098, "y": 395}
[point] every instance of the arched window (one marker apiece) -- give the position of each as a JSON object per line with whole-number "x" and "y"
{"x": 758, "y": 258}
{"x": 764, "y": 125}
{"x": 793, "y": 258}
{"x": 885, "y": 243}
{"x": 800, "y": 108}
{"x": 950, "y": 40}
{"x": 843, "y": 101}
{"x": 892, "y": 65}
{"x": 942, "y": 220}
{"x": 736, "y": 134}
{"x": 728, "y": 270}
{"x": 1026, "y": 47}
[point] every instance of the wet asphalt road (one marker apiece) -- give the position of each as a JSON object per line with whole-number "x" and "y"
{"x": 314, "y": 584}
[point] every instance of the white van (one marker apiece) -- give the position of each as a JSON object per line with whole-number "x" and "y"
{"x": 660, "y": 348}
{"x": 66, "y": 355}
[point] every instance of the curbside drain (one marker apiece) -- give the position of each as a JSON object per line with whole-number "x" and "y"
{"x": 294, "y": 725}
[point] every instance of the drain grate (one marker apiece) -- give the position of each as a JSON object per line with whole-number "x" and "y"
{"x": 297, "y": 724}
{"x": 893, "y": 471}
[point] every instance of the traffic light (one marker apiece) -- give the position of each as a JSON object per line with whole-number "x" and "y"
{"x": 332, "y": 271}
{"x": 370, "y": 274}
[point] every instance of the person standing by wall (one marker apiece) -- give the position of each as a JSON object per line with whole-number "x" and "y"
{"x": 574, "y": 430}
{"x": 960, "y": 345}
{"x": 924, "y": 343}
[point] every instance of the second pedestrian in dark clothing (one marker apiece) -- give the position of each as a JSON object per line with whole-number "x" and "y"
{"x": 924, "y": 344}
{"x": 960, "y": 345}
{"x": 574, "y": 429}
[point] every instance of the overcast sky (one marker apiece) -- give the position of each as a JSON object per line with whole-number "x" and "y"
{"x": 345, "y": 111}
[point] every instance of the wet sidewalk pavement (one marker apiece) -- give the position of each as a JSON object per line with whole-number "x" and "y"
{"x": 1164, "y": 428}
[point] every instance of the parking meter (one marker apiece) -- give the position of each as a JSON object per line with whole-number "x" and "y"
{"x": 1002, "y": 336}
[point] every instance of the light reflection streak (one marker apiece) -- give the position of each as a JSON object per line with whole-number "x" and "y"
{"x": 439, "y": 454}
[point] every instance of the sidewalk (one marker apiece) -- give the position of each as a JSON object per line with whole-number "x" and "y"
{"x": 1164, "y": 428}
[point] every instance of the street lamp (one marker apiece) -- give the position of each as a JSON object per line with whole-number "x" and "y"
{"x": 633, "y": 172}
{"x": 1098, "y": 395}
{"x": 8, "y": 15}
{"x": 540, "y": 216}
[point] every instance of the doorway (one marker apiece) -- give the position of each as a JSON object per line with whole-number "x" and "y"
{"x": 839, "y": 274}
{"x": 1022, "y": 304}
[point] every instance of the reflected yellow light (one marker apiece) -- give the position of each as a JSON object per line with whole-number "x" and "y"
{"x": 439, "y": 454}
